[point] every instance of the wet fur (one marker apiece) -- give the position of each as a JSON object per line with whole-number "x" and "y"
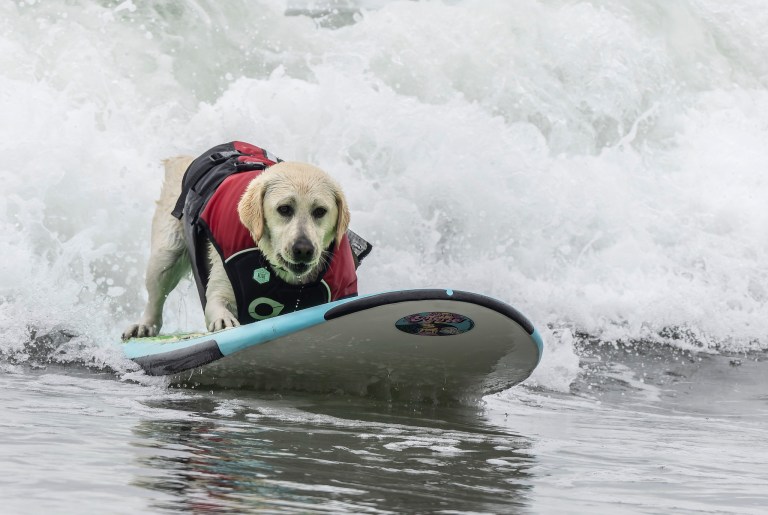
{"x": 303, "y": 187}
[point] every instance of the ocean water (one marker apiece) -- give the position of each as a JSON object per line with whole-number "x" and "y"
{"x": 601, "y": 166}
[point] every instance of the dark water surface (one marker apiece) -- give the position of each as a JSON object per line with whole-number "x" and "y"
{"x": 656, "y": 431}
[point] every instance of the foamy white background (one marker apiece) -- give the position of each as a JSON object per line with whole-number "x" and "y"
{"x": 601, "y": 166}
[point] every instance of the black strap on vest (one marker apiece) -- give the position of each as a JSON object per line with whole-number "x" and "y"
{"x": 360, "y": 247}
{"x": 203, "y": 176}
{"x": 198, "y": 169}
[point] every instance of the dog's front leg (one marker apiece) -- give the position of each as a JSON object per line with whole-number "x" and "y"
{"x": 220, "y": 303}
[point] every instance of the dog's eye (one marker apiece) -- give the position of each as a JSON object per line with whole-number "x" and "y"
{"x": 319, "y": 212}
{"x": 285, "y": 210}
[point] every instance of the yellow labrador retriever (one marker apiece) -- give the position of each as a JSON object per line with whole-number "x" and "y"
{"x": 261, "y": 236}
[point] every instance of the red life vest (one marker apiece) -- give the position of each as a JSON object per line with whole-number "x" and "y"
{"x": 212, "y": 188}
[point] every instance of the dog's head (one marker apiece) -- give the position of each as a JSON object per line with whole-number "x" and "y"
{"x": 294, "y": 212}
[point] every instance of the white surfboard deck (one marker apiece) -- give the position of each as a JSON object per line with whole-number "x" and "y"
{"x": 408, "y": 345}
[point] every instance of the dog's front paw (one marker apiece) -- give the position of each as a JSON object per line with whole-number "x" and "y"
{"x": 140, "y": 331}
{"x": 223, "y": 322}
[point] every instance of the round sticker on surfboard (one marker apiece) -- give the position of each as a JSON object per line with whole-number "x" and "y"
{"x": 435, "y": 323}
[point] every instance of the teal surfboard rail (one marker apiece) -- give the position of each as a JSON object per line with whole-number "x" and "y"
{"x": 235, "y": 339}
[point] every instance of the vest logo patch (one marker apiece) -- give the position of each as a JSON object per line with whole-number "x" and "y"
{"x": 261, "y": 275}
{"x": 263, "y": 308}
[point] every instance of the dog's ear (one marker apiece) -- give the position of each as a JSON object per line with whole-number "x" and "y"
{"x": 342, "y": 223}
{"x": 251, "y": 207}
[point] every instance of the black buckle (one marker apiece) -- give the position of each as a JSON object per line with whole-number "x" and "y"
{"x": 220, "y": 157}
{"x": 247, "y": 167}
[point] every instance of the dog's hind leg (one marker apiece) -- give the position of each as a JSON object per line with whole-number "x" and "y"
{"x": 168, "y": 259}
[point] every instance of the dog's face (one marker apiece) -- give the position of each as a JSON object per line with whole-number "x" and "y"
{"x": 294, "y": 212}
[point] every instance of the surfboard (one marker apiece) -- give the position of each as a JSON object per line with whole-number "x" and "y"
{"x": 430, "y": 344}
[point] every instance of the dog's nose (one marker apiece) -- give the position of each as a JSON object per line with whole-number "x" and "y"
{"x": 303, "y": 250}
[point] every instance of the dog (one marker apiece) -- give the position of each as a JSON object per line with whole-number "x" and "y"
{"x": 262, "y": 237}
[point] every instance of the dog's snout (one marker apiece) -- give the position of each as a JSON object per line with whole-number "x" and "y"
{"x": 303, "y": 250}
